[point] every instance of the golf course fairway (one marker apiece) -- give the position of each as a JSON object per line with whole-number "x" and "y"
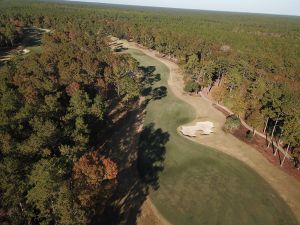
{"x": 200, "y": 185}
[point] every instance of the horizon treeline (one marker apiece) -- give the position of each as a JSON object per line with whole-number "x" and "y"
{"x": 55, "y": 104}
{"x": 249, "y": 62}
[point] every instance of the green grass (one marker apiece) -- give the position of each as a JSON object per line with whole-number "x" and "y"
{"x": 200, "y": 185}
{"x": 32, "y": 39}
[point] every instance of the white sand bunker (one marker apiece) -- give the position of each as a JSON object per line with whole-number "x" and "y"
{"x": 45, "y": 30}
{"x": 204, "y": 127}
{"x": 25, "y": 51}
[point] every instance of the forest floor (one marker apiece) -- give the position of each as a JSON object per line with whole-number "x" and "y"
{"x": 203, "y": 182}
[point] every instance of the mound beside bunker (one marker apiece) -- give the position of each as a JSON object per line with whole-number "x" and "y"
{"x": 204, "y": 127}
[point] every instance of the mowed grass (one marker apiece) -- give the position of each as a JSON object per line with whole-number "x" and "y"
{"x": 32, "y": 39}
{"x": 200, "y": 185}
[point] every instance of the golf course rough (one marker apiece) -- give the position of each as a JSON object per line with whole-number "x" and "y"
{"x": 200, "y": 185}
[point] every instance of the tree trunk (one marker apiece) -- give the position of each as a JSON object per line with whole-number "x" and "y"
{"x": 276, "y": 150}
{"x": 118, "y": 90}
{"x": 21, "y": 207}
{"x": 287, "y": 149}
{"x": 269, "y": 142}
{"x": 209, "y": 89}
{"x": 278, "y": 143}
{"x": 266, "y": 125}
{"x": 272, "y": 134}
{"x": 220, "y": 79}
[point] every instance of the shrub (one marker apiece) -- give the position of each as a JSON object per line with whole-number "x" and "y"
{"x": 232, "y": 123}
{"x": 191, "y": 86}
{"x": 249, "y": 135}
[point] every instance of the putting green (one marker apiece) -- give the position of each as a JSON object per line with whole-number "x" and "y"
{"x": 200, "y": 185}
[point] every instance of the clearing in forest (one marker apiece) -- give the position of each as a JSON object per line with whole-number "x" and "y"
{"x": 199, "y": 185}
{"x": 31, "y": 42}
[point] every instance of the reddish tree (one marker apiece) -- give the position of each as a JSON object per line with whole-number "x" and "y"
{"x": 89, "y": 168}
{"x": 110, "y": 169}
{"x": 30, "y": 94}
{"x": 94, "y": 169}
{"x": 72, "y": 88}
{"x": 89, "y": 172}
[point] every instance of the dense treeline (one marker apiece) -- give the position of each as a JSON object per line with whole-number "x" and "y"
{"x": 10, "y": 32}
{"x": 54, "y": 105}
{"x": 54, "y": 108}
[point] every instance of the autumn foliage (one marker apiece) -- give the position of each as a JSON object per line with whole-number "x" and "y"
{"x": 89, "y": 174}
{"x": 110, "y": 169}
{"x": 93, "y": 169}
{"x": 55, "y": 101}
{"x": 72, "y": 88}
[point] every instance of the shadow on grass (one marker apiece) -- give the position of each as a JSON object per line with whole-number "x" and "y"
{"x": 149, "y": 77}
{"x": 134, "y": 182}
{"x": 120, "y": 49}
{"x": 4, "y": 51}
{"x": 32, "y": 37}
{"x": 5, "y": 55}
{"x": 154, "y": 93}
{"x": 159, "y": 93}
{"x": 148, "y": 80}
{"x": 151, "y": 154}
{"x": 140, "y": 156}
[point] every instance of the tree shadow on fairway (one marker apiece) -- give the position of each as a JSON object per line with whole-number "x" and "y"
{"x": 149, "y": 77}
{"x": 120, "y": 49}
{"x": 148, "y": 80}
{"x": 32, "y": 37}
{"x": 154, "y": 93}
{"x": 151, "y": 154}
{"x": 134, "y": 181}
{"x": 159, "y": 93}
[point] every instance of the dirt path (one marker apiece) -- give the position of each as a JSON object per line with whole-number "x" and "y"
{"x": 243, "y": 122}
{"x": 150, "y": 215}
{"x": 287, "y": 186}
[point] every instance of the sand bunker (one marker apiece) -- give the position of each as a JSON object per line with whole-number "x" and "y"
{"x": 45, "y": 30}
{"x": 204, "y": 127}
{"x": 25, "y": 51}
